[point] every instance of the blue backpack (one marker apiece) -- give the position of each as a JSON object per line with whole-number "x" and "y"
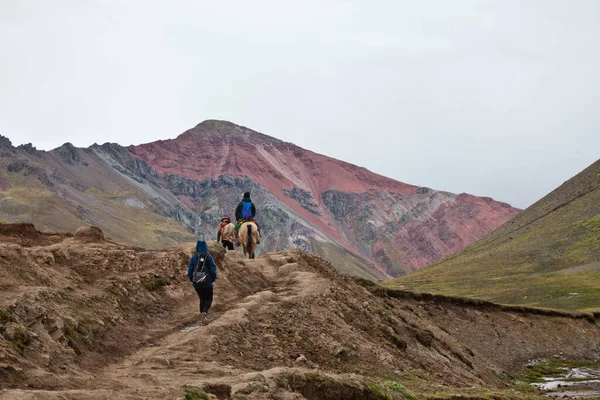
{"x": 247, "y": 210}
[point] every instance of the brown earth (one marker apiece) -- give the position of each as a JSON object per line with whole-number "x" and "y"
{"x": 101, "y": 320}
{"x": 26, "y": 235}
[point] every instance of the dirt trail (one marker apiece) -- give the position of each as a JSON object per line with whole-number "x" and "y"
{"x": 170, "y": 355}
{"x": 178, "y": 358}
{"x": 104, "y": 321}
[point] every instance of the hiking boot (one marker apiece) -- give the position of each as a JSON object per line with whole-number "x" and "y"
{"x": 204, "y": 319}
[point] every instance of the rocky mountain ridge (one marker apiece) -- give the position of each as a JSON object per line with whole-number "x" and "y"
{"x": 160, "y": 193}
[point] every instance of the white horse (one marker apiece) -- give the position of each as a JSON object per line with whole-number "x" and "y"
{"x": 248, "y": 237}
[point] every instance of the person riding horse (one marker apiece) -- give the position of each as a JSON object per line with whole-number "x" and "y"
{"x": 245, "y": 212}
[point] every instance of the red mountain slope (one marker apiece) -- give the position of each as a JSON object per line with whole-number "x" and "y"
{"x": 398, "y": 226}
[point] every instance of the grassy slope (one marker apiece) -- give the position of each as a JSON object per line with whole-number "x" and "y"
{"x": 346, "y": 262}
{"x": 29, "y": 200}
{"x": 532, "y": 259}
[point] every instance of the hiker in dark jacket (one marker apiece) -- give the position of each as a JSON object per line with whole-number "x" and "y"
{"x": 245, "y": 212}
{"x": 204, "y": 279}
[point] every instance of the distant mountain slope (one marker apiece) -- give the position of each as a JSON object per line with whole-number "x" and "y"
{"x": 399, "y": 227}
{"x": 69, "y": 187}
{"x": 161, "y": 193}
{"x": 548, "y": 255}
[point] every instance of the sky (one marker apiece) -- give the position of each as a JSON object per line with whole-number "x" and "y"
{"x": 494, "y": 98}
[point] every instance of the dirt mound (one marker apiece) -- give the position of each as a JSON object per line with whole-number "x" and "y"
{"x": 89, "y": 234}
{"x": 100, "y": 320}
{"x": 27, "y": 235}
{"x": 18, "y": 229}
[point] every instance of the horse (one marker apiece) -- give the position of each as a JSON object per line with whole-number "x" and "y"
{"x": 248, "y": 236}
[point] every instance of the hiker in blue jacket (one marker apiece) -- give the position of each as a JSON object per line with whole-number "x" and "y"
{"x": 202, "y": 272}
{"x": 245, "y": 212}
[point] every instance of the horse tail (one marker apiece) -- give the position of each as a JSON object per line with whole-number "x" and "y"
{"x": 249, "y": 243}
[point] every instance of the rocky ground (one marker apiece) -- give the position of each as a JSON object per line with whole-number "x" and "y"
{"x": 84, "y": 317}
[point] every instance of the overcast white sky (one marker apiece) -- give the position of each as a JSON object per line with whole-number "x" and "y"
{"x": 495, "y": 98}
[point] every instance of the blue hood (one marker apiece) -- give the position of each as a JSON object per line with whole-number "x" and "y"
{"x": 201, "y": 247}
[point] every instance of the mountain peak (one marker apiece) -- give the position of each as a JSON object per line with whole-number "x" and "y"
{"x": 224, "y": 130}
{"x": 5, "y": 143}
{"x": 385, "y": 221}
{"x": 219, "y": 125}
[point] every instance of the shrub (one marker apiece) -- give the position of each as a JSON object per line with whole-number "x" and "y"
{"x": 193, "y": 393}
{"x": 156, "y": 282}
{"x": 6, "y": 316}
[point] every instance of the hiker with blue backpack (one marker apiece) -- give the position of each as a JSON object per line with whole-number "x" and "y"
{"x": 202, "y": 272}
{"x": 245, "y": 212}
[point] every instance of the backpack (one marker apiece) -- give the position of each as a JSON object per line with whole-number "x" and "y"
{"x": 247, "y": 210}
{"x": 201, "y": 271}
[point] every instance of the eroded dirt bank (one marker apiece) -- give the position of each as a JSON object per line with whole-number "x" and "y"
{"x": 82, "y": 317}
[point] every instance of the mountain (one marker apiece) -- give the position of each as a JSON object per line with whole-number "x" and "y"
{"x": 548, "y": 255}
{"x": 161, "y": 193}
{"x": 83, "y": 317}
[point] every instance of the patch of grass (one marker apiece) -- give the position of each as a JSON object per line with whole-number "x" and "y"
{"x": 156, "y": 282}
{"x": 19, "y": 340}
{"x": 257, "y": 388}
{"x": 377, "y": 391}
{"x": 13, "y": 346}
{"x": 6, "y": 316}
{"x": 553, "y": 367}
{"x": 483, "y": 394}
{"x": 78, "y": 336}
{"x": 193, "y": 393}
{"x": 593, "y": 220}
{"x": 423, "y": 385}
{"x": 398, "y": 387}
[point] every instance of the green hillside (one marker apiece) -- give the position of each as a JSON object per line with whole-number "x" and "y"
{"x": 548, "y": 256}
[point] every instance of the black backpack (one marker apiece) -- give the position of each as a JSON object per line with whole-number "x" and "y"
{"x": 201, "y": 271}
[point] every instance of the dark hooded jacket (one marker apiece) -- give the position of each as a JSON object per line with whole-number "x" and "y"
{"x": 201, "y": 247}
{"x": 240, "y": 207}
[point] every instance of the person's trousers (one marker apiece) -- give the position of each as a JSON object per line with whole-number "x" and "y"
{"x": 227, "y": 244}
{"x": 206, "y": 295}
